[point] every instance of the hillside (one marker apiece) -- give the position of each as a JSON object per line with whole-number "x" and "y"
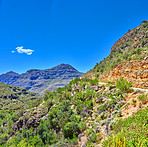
{"x": 128, "y": 59}
{"x": 15, "y": 98}
{"x": 84, "y": 113}
{"x": 101, "y": 109}
{"x": 13, "y": 103}
{"x": 40, "y": 80}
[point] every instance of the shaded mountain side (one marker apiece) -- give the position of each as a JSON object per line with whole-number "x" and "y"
{"x": 9, "y": 77}
{"x": 128, "y": 59}
{"x": 16, "y": 98}
{"x": 39, "y": 80}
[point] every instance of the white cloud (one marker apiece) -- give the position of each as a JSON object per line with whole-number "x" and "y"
{"x": 21, "y": 50}
{"x": 13, "y": 51}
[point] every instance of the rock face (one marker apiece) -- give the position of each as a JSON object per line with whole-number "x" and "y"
{"x": 133, "y": 71}
{"x": 128, "y": 59}
{"x": 31, "y": 118}
{"x": 138, "y": 35}
{"x": 40, "y": 80}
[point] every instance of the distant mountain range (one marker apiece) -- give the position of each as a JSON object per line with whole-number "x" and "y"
{"x": 38, "y": 81}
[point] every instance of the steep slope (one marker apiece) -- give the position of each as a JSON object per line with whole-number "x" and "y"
{"x": 83, "y": 113}
{"x": 13, "y": 103}
{"x": 40, "y": 80}
{"x": 128, "y": 59}
{"x": 15, "y": 98}
{"x": 9, "y": 77}
{"x": 86, "y": 112}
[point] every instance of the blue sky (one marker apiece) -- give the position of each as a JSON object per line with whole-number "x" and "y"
{"x": 76, "y": 32}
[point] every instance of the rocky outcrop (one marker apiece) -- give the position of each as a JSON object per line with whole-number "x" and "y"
{"x": 31, "y": 118}
{"x": 135, "y": 35}
{"x": 128, "y": 59}
{"x": 135, "y": 72}
{"x": 26, "y": 123}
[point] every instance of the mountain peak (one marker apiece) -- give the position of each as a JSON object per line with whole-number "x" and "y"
{"x": 12, "y": 72}
{"x": 63, "y": 64}
{"x": 64, "y": 67}
{"x": 37, "y": 80}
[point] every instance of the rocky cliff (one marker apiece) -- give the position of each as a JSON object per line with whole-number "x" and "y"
{"x": 40, "y": 80}
{"x": 128, "y": 59}
{"x": 137, "y": 35}
{"x": 135, "y": 72}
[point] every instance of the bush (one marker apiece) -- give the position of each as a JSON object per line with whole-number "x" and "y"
{"x": 35, "y": 142}
{"x": 123, "y": 85}
{"x": 70, "y": 129}
{"x": 130, "y": 132}
{"x": 117, "y": 141}
{"x": 45, "y": 133}
{"x": 92, "y": 137}
{"x": 143, "y": 98}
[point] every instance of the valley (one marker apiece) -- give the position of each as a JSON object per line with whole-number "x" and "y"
{"x": 105, "y": 107}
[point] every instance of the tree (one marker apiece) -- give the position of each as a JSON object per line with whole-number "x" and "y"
{"x": 70, "y": 129}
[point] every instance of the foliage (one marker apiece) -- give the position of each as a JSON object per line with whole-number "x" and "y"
{"x": 130, "y": 132}
{"x": 82, "y": 106}
{"x": 71, "y": 129}
{"x": 123, "y": 86}
{"x": 121, "y": 54}
{"x": 143, "y": 98}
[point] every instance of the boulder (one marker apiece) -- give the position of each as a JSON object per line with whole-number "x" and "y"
{"x": 80, "y": 136}
{"x": 97, "y": 129}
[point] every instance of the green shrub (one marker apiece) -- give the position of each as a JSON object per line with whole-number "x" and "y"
{"x": 36, "y": 142}
{"x": 143, "y": 98}
{"x": 130, "y": 132}
{"x": 123, "y": 85}
{"x": 70, "y": 129}
{"x": 92, "y": 137}
{"x": 117, "y": 141}
{"x": 45, "y": 133}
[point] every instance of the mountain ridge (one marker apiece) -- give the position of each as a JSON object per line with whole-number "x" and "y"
{"x": 86, "y": 112}
{"x": 36, "y": 80}
{"x": 128, "y": 59}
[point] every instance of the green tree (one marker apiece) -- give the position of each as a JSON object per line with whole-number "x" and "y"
{"x": 71, "y": 129}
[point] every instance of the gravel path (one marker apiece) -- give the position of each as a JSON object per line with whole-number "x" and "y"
{"x": 145, "y": 90}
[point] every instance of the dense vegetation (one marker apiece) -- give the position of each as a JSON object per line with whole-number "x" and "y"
{"x": 64, "y": 121}
{"x": 13, "y": 102}
{"x": 131, "y": 132}
{"x": 82, "y": 109}
{"x": 79, "y": 109}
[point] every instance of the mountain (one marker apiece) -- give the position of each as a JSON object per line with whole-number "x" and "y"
{"x": 13, "y": 103}
{"x": 9, "y": 77}
{"x": 16, "y": 98}
{"x": 102, "y": 108}
{"x": 40, "y": 80}
{"x": 128, "y": 59}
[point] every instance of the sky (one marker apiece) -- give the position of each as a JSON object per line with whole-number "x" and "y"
{"x": 40, "y": 34}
